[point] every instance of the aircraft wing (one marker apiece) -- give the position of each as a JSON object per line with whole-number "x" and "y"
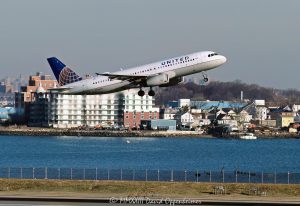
{"x": 122, "y": 77}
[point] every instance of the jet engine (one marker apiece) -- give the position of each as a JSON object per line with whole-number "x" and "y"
{"x": 158, "y": 80}
{"x": 173, "y": 82}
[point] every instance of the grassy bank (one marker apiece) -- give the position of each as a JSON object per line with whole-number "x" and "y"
{"x": 143, "y": 189}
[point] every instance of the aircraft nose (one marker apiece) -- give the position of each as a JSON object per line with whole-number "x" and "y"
{"x": 223, "y": 59}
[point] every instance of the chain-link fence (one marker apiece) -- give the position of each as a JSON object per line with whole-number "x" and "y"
{"x": 151, "y": 175}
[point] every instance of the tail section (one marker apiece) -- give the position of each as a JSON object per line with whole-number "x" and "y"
{"x": 63, "y": 74}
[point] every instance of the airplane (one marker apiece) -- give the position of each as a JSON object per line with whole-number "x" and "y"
{"x": 164, "y": 73}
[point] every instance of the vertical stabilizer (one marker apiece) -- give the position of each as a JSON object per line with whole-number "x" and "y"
{"x": 63, "y": 74}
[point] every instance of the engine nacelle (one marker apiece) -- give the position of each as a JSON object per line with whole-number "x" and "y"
{"x": 174, "y": 81}
{"x": 158, "y": 80}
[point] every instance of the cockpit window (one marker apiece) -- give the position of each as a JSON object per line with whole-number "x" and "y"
{"x": 213, "y": 54}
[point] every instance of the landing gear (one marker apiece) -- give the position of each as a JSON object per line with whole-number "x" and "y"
{"x": 141, "y": 93}
{"x": 151, "y": 93}
{"x": 205, "y": 79}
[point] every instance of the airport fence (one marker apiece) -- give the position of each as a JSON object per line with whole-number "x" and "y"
{"x": 151, "y": 175}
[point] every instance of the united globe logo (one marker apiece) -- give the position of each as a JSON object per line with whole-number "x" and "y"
{"x": 67, "y": 76}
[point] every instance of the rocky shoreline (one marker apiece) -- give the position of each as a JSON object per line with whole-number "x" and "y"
{"x": 35, "y": 131}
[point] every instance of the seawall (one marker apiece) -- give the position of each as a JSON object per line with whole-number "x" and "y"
{"x": 34, "y": 131}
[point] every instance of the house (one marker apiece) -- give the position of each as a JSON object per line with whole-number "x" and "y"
{"x": 296, "y": 108}
{"x": 183, "y": 118}
{"x": 284, "y": 116}
{"x": 225, "y": 119}
{"x": 167, "y": 113}
{"x": 257, "y": 109}
{"x": 244, "y": 116}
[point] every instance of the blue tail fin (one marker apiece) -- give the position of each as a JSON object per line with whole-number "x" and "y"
{"x": 63, "y": 74}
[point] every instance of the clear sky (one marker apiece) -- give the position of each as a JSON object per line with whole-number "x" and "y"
{"x": 260, "y": 38}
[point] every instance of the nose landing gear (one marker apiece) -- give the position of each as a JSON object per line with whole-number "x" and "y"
{"x": 205, "y": 78}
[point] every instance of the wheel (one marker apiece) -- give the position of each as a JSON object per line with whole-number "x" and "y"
{"x": 151, "y": 93}
{"x": 205, "y": 79}
{"x": 141, "y": 93}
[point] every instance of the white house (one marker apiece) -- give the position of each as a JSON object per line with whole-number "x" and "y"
{"x": 184, "y": 118}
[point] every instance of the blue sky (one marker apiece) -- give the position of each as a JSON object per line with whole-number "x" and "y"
{"x": 259, "y": 38}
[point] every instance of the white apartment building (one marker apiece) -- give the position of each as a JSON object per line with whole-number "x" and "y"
{"x": 115, "y": 109}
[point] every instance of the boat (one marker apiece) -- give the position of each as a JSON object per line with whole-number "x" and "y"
{"x": 127, "y": 141}
{"x": 248, "y": 136}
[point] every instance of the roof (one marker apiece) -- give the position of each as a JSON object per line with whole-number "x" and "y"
{"x": 180, "y": 113}
{"x": 170, "y": 111}
{"x": 206, "y": 105}
{"x": 6, "y": 111}
{"x": 281, "y": 109}
{"x": 221, "y": 116}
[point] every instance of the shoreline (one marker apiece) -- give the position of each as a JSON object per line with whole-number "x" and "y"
{"x": 40, "y": 131}
{"x": 35, "y": 131}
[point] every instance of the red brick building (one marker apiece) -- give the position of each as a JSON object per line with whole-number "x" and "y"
{"x": 138, "y": 108}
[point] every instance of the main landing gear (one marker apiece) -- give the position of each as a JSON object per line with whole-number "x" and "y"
{"x": 141, "y": 93}
{"x": 151, "y": 93}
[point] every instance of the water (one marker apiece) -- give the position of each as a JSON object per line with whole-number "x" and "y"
{"x": 280, "y": 155}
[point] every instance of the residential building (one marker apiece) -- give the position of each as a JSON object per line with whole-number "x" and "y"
{"x": 27, "y": 94}
{"x": 258, "y": 110}
{"x": 167, "y": 113}
{"x": 244, "y": 117}
{"x": 184, "y": 118}
{"x": 122, "y": 109}
{"x": 138, "y": 108}
{"x": 45, "y": 81}
{"x": 38, "y": 109}
{"x": 296, "y": 108}
{"x": 284, "y": 116}
{"x": 67, "y": 111}
{"x": 225, "y": 119}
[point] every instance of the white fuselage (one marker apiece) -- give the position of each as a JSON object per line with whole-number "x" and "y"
{"x": 174, "y": 67}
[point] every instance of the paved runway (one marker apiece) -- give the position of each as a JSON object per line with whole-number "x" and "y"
{"x": 68, "y": 202}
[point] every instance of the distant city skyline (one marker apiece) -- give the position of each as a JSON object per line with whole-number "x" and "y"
{"x": 259, "y": 38}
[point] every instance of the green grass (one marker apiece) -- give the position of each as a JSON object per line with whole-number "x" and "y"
{"x": 141, "y": 189}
